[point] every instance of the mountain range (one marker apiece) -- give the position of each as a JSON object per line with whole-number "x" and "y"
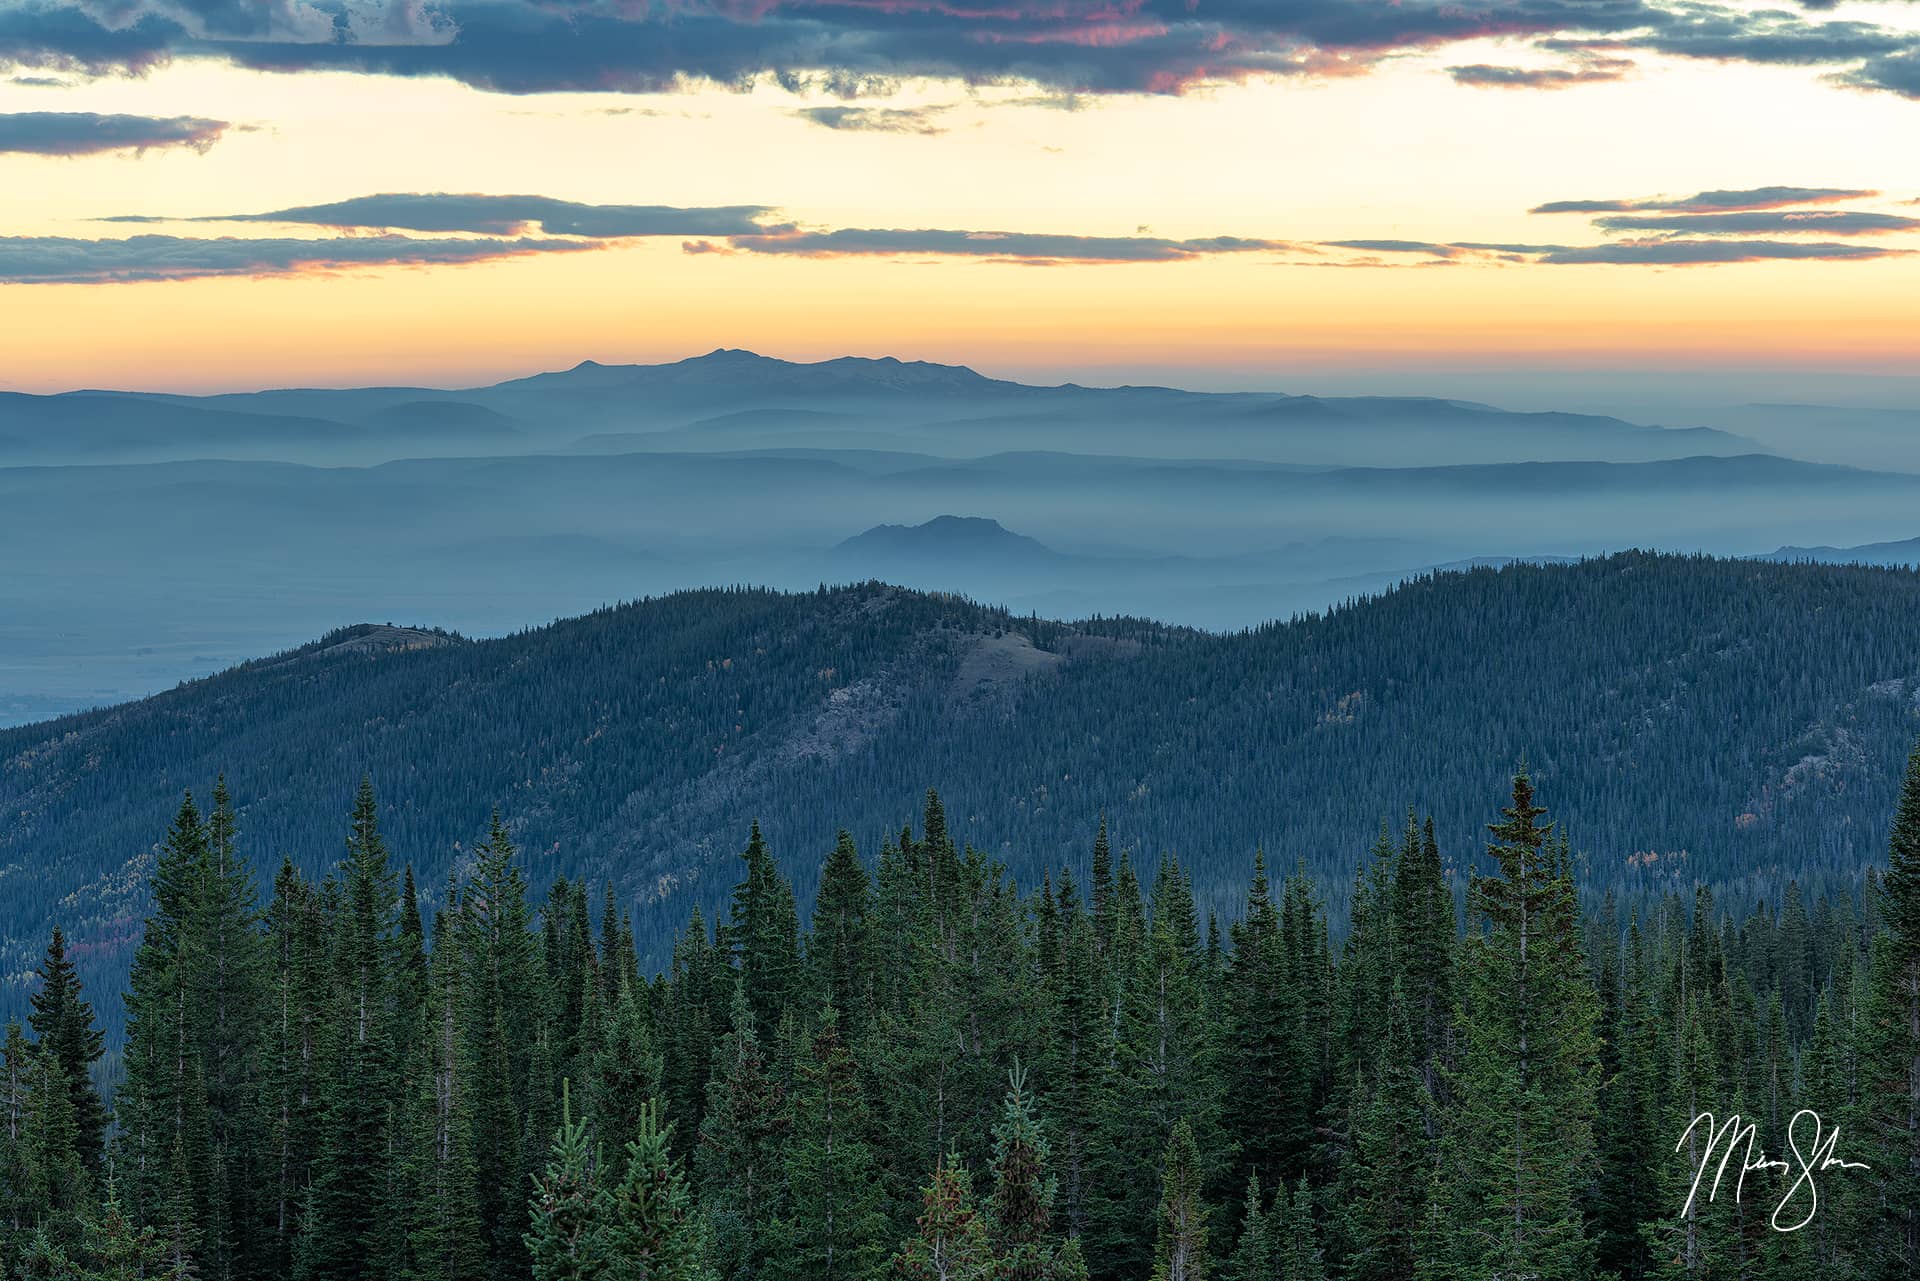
{"x": 164, "y": 537}
{"x": 747, "y": 400}
{"x": 637, "y": 743}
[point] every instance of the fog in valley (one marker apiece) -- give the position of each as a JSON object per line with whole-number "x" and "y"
{"x": 153, "y": 539}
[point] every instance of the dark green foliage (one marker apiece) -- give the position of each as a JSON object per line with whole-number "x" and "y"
{"x": 63, "y": 1022}
{"x": 365, "y": 1081}
{"x": 1520, "y": 1140}
{"x": 950, "y": 1237}
{"x": 738, "y": 1160}
{"x": 1026, "y": 1245}
{"x": 1180, "y": 1250}
{"x": 637, "y": 742}
{"x": 653, "y": 1231}
{"x": 833, "y": 1226}
{"x": 568, "y": 1239}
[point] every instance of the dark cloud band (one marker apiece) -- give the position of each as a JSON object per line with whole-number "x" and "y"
{"x": 852, "y": 46}
{"x": 1825, "y": 222}
{"x": 1008, "y": 246}
{"x": 1750, "y": 198}
{"x": 1482, "y": 75}
{"x": 65, "y": 260}
{"x": 83, "y": 133}
{"x": 506, "y": 216}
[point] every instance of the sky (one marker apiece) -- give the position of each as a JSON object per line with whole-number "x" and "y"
{"x": 202, "y": 195}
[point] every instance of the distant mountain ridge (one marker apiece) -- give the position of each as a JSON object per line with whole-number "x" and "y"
{"x": 1905, "y": 551}
{"x": 794, "y": 402}
{"x": 945, "y": 538}
{"x": 636, "y": 743}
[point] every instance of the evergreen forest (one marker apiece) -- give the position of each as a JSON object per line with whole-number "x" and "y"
{"x": 946, "y": 1075}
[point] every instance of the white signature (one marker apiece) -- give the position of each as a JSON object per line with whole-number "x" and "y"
{"x": 1814, "y": 1158}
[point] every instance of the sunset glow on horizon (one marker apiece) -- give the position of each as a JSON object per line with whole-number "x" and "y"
{"x": 1375, "y": 218}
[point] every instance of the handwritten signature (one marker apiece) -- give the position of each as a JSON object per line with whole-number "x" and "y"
{"x": 1737, "y": 1137}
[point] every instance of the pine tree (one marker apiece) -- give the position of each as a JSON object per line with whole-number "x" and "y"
{"x": 738, "y": 1159}
{"x": 1296, "y": 1239}
{"x": 1252, "y": 1259}
{"x": 1894, "y": 1050}
{"x": 508, "y": 1046}
{"x": 570, "y": 1211}
{"x": 161, "y": 1103}
{"x": 1180, "y": 1249}
{"x": 1521, "y": 1141}
{"x": 624, "y": 1072}
{"x": 837, "y": 950}
{"x": 950, "y": 1238}
{"x": 765, "y": 933}
{"x": 834, "y": 1225}
{"x": 349, "y": 1225}
{"x": 445, "y": 1241}
{"x": 64, "y": 1023}
{"x": 114, "y": 1248}
{"x": 1392, "y": 1159}
{"x": 288, "y": 1107}
{"x": 1025, "y": 1245}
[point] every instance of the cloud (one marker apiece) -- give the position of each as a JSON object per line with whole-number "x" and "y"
{"x": 1752, "y": 198}
{"x": 1485, "y": 76}
{"x": 875, "y": 119}
{"x": 83, "y": 133}
{"x": 848, "y": 47}
{"x": 63, "y": 260}
{"x": 1648, "y": 253}
{"x": 40, "y": 82}
{"x": 505, "y": 216}
{"x": 1033, "y": 247}
{"x": 1827, "y": 222}
{"x": 1681, "y": 253}
{"x": 1436, "y": 249}
{"x": 1899, "y": 74}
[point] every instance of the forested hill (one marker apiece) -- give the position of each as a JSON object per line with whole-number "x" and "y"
{"x": 1732, "y": 721}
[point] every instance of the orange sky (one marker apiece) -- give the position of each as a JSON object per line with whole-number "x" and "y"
{"x": 1403, "y": 153}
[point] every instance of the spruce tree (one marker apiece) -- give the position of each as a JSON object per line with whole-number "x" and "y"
{"x": 837, "y": 949}
{"x": 229, "y": 990}
{"x": 624, "y": 1072}
{"x": 1252, "y": 1259}
{"x": 568, "y": 1239}
{"x": 289, "y": 1107}
{"x": 737, "y": 1162}
{"x": 1180, "y": 1248}
{"x": 950, "y": 1237}
{"x": 445, "y": 1241}
{"x": 63, "y": 1021}
{"x": 1391, "y": 1159}
{"x": 114, "y": 1247}
{"x": 161, "y": 1104}
{"x": 834, "y": 1225}
{"x": 508, "y": 1046}
{"x": 765, "y": 933}
{"x": 1894, "y": 1049}
{"x": 1296, "y": 1239}
{"x": 1025, "y": 1244}
{"x": 350, "y": 1224}
{"x": 1520, "y": 1146}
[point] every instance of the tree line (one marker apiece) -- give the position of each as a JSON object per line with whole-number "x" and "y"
{"x": 943, "y": 1076}
{"x": 638, "y": 743}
